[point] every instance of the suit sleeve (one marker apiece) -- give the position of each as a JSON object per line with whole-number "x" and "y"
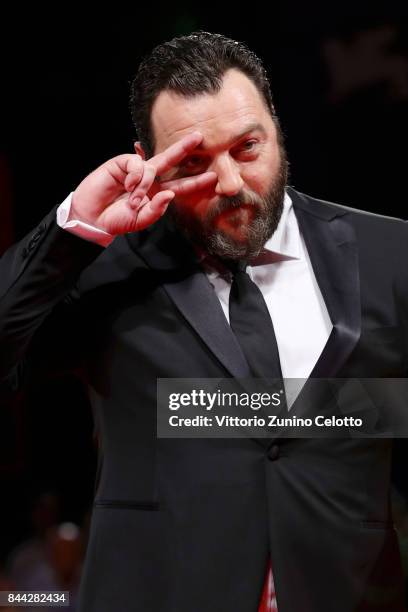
{"x": 37, "y": 287}
{"x": 401, "y": 289}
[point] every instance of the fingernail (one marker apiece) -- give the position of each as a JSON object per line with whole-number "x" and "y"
{"x": 134, "y": 202}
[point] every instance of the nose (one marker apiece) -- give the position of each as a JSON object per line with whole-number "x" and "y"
{"x": 229, "y": 181}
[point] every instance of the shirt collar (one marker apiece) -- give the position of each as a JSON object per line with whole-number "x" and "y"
{"x": 285, "y": 241}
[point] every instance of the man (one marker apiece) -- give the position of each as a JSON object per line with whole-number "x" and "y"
{"x": 192, "y": 524}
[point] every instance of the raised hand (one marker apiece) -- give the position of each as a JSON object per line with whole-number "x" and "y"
{"x": 123, "y": 194}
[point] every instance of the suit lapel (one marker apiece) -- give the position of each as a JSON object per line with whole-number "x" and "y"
{"x": 168, "y": 253}
{"x": 331, "y": 245}
{"x": 330, "y": 241}
{"x": 197, "y": 301}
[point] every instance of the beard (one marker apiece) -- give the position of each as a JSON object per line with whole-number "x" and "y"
{"x": 249, "y": 220}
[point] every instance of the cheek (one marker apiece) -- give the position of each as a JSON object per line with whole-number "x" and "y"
{"x": 193, "y": 205}
{"x": 256, "y": 181}
{"x": 259, "y": 175}
{"x": 198, "y": 202}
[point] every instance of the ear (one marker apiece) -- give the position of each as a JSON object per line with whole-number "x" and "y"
{"x": 139, "y": 150}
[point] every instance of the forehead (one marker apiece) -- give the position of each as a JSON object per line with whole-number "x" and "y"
{"x": 218, "y": 116}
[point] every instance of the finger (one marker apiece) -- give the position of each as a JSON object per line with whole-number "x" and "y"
{"x": 137, "y": 205}
{"x": 153, "y": 209}
{"x": 149, "y": 174}
{"x": 176, "y": 152}
{"x": 120, "y": 166}
{"x": 135, "y": 170}
{"x": 189, "y": 184}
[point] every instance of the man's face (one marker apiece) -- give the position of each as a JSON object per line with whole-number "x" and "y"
{"x": 235, "y": 216}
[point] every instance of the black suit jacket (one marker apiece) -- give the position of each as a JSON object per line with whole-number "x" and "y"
{"x": 185, "y": 524}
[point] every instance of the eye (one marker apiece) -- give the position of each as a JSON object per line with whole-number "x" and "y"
{"x": 192, "y": 165}
{"x": 192, "y": 162}
{"x": 249, "y": 144}
{"x": 247, "y": 149}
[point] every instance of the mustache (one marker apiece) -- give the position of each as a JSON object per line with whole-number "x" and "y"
{"x": 231, "y": 202}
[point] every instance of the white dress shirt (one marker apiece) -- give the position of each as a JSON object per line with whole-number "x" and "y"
{"x": 300, "y": 317}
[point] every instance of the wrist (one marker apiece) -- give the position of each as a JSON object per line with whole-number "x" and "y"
{"x": 71, "y": 222}
{"x": 74, "y": 214}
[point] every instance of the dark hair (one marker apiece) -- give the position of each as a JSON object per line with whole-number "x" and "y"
{"x": 191, "y": 65}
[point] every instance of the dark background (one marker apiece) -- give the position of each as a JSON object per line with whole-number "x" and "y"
{"x": 339, "y": 73}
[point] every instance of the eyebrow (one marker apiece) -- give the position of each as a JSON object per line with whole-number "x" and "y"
{"x": 252, "y": 127}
